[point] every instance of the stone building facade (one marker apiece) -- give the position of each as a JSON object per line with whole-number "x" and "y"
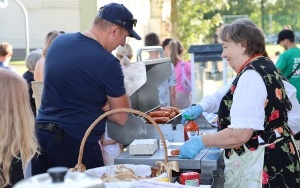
{"x": 68, "y": 16}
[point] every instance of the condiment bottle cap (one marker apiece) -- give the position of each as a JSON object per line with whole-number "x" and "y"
{"x": 187, "y": 117}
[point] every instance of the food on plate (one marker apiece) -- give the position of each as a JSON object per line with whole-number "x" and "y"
{"x": 175, "y": 152}
{"x": 126, "y": 176}
{"x": 119, "y": 173}
{"x": 173, "y": 114}
{"x": 160, "y": 119}
{"x": 123, "y": 169}
{"x": 170, "y": 108}
{"x": 158, "y": 113}
{"x": 163, "y": 114}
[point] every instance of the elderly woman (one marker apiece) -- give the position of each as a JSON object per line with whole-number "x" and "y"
{"x": 31, "y": 60}
{"x": 259, "y": 146}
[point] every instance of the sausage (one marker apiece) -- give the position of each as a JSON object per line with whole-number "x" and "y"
{"x": 175, "y": 152}
{"x": 161, "y": 119}
{"x": 170, "y": 108}
{"x": 165, "y": 109}
{"x": 173, "y": 114}
{"x": 158, "y": 113}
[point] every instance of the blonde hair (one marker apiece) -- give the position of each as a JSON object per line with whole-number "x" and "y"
{"x": 124, "y": 54}
{"x": 176, "y": 50}
{"x": 17, "y": 122}
{"x": 49, "y": 39}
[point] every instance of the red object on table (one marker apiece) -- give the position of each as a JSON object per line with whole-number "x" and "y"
{"x": 190, "y": 178}
{"x": 190, "y": 129}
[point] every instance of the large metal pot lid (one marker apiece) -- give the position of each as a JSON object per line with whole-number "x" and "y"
{"x": 60, "y": 177}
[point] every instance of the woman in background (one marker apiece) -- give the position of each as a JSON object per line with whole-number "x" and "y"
{"x": 39, "y": 69}
{"x": 18, "y": 141}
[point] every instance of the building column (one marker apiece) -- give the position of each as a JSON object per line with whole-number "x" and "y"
{"x": 155, "y": 20}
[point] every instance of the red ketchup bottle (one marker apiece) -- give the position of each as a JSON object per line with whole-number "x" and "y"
{"x": 190, "y": 128}
{"x": 190, "y": 178}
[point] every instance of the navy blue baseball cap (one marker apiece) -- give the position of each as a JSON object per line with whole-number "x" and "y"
{"x": 118, "y": 14}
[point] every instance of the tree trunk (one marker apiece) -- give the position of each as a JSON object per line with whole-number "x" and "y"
{"x": 174, "y": 19}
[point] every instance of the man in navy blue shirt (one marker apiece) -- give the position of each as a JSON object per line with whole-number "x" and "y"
{"x": 82, "y": 81}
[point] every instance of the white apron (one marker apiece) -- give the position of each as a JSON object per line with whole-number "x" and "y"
{"x": 245, "y": 171}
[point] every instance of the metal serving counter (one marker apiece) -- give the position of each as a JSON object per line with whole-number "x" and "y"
{"x": 209, "y": 162}
{"x": 206, "y": 162}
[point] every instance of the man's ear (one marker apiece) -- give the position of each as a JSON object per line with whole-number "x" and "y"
{"x": 113, "y": 30}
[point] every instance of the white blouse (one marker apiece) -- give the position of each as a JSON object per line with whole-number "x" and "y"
{"x": 248, "y": 112}
{"x": 249, "y": 97}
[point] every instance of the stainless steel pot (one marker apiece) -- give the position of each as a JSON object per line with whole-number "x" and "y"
{"x": 60, "y": 177}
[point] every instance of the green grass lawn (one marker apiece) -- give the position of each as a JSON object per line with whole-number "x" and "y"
{"x": 19, "y": 66}
{"x": 272, "y": 49}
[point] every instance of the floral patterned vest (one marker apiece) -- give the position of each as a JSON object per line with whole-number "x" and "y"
{"x": 276, "y": 105}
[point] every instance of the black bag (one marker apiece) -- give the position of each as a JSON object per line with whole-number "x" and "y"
{"x": 293, "y": 72}
{"x": 297, "y": 136}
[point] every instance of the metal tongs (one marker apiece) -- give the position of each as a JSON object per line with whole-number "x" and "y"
{"x": 176, "y": 116}
{"x": 157, "y": 107}
{"x": 152, "y": 109}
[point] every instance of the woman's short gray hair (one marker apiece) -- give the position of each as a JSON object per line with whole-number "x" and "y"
{"x": 245, "y": 32}
{"x": 32, "y": 59}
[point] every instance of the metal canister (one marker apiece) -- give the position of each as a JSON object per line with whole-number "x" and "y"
{"x": 190, "y": 178}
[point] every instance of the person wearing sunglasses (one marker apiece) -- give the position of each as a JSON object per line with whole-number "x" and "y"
{"x": 83, "y": 80}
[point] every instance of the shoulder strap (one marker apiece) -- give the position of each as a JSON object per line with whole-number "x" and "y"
{"x": 182, "y": 66}
{"x": 293, "y": 72}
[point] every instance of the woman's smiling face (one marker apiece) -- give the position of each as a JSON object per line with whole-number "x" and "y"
{"x": 234, "y": 53}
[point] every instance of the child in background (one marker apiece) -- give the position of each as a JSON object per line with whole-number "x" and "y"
{"x": 124, "y": 54}
{"x": 183, "y": 74}
{"x": 166, "y": 91}
{"x": 18, "y": 141}
{"x": 110, "y": 149}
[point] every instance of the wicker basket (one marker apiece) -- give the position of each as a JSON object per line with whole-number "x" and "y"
{"x": 162, "y": 168}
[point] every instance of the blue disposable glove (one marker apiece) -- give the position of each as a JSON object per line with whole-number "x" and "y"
{"x": 214, "y": 149}
{"x": 194, "y": 111}
{"x": 191, "y": 148}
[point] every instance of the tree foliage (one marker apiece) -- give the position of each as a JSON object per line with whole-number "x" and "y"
{"x": 270, "y": 15}
{"x": 189, "y": 21}
{"x": 283, "y": 12}
{"x": 194, "y": 21}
